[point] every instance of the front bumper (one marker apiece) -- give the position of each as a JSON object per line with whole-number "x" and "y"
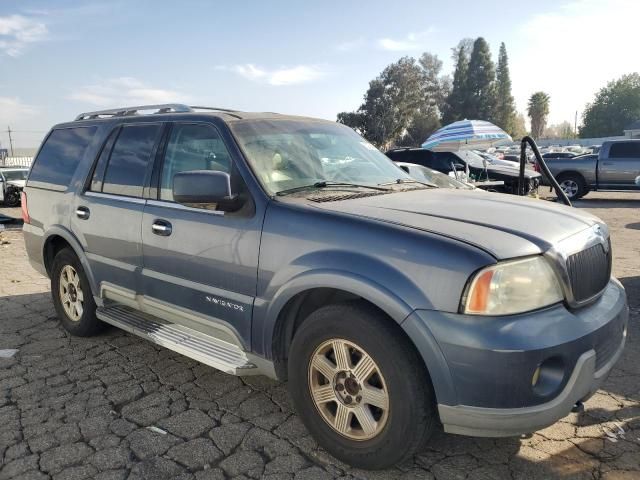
{"x": 486, "y": 386}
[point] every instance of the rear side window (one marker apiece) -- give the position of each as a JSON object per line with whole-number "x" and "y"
{"x": 625, "y": 150}
{"x": 60, "y": 155}
{"x": 129, "y": 161}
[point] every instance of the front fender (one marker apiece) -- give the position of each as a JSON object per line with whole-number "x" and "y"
{"x": 266, "y": 313}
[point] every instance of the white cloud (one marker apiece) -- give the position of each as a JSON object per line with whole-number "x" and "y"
{"x": 12, "y": 108}
{"x": 18, "y": 31}
{"x": 281, "y": 76}
{"x": 413, "y": 41}
{"x": 119, "y": 91}
{"x": 573, "y": 51}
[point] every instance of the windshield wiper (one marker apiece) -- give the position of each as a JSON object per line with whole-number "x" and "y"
{"x": 325, "y": 184}
{"x": 404, "y": 180}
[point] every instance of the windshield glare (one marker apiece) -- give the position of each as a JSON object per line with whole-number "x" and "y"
{"x": 286, "y": 154}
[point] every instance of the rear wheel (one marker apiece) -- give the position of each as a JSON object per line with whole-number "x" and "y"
{"x": 72, "y": 295}
{"x": 573, "y": 185}
{"x": 359, "y": 386}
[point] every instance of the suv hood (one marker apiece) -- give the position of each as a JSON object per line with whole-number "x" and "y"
{"x": 505, "y": 226}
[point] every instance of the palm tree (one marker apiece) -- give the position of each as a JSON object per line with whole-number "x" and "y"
{"x": 538, "y": 111}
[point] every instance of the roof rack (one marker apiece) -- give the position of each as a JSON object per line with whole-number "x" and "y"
{"x": 163, "y": 108}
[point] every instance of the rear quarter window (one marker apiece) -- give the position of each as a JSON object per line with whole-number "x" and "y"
{"x": 60, "y": 155}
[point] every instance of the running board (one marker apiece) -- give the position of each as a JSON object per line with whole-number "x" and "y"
{"x": 206, "y": 349}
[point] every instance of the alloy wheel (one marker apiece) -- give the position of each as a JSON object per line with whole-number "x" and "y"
{"x": 569, "y": 187}
{"x": 71, "y": 295}
{"x": 348, "y": 389}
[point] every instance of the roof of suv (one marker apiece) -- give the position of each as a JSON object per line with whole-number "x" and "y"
{"x": 176, "y": 109}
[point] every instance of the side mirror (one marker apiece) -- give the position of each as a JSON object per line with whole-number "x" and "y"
{"x": 205, "y": 187}
{"x": 405, "y": 168}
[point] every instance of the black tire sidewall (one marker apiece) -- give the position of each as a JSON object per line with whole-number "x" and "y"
{"x": 411, "y": 413}
{"x": 88, "y": 323}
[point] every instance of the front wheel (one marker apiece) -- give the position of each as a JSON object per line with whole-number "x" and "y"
{"x": 360, "y": 387}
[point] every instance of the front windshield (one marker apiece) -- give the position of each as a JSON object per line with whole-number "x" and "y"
{"x": 440, "y": 179}
{"x": 13, "y": 175}
{"x": 286, "y": 154}
{"x": 472, "y": 158}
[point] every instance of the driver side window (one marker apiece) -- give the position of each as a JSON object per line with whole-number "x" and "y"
{"x": 192, "y": 147}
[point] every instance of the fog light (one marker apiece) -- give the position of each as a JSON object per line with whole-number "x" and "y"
{"x": 548, "y": 377}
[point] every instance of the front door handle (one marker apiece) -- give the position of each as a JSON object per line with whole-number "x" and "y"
{"x": 82, "y": 213}
{"x": 161, "y": 227}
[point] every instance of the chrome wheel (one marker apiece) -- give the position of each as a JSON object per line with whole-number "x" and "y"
{"x": 348, "y": 389}
{"x": 569, "y": 187}
{"x": 71, "y": 295}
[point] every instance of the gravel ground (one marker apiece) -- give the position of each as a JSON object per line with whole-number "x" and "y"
{"x": 115, "y": 406}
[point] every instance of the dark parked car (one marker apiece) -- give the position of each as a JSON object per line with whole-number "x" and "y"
{"x": 479, "y": 169}
{"x": 259, "y": 243}
{"x": 616, "y": 166}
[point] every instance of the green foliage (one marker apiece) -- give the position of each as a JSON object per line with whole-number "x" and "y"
{"x": 504, "y": 110}
{"x": 614, "y": 107}
{"x": 480, "y": 86}
{"x": 538, "y": 110}
{"x": 403, "y": 104}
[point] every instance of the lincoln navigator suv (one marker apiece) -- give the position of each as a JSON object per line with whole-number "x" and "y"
{"x": 290, "y": 247}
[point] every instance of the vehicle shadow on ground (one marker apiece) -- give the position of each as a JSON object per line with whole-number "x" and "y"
{"x": 576, "y": 447}
{"x": 619, "y": 202}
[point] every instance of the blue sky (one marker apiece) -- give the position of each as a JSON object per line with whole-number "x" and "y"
{"x": 313, "y": 58}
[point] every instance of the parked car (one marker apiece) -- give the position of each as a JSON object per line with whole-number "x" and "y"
{"x": 424, "y": 174}
{"x": 550, "y": 155}
{"x": 498, "y": 161}
{"x": 12, "y": 182}
{"x": 446, "y": 162}
{"x": 391, "y": 307}
{"x": 615, "y": 167}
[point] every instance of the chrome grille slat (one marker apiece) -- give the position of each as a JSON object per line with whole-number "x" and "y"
{"x": 589, "y": 271}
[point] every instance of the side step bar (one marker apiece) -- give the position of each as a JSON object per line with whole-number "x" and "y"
{"x": 206, "y": 349}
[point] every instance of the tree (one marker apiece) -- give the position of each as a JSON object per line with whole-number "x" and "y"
{"x": 504, "y": 111}
{"x": 456, "y": 104}
{"x": 538, "y": 111}
{"x": 480, "y": 83}
{"x": 403, "y": 104}
{"x": 519, "y": 127}
{"x": 561, "y": 130}
{"x": 614, "y": 107}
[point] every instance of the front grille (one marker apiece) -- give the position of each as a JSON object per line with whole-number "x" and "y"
{"x": 589, "y": 271}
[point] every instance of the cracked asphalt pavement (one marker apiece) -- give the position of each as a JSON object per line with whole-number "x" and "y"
{"x": 115, "y": 406}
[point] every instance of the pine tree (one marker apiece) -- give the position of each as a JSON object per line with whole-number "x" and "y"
{"x": 505, "y": 112}
{"x": 456, "y": 104}
{"x": 481, "y": 82}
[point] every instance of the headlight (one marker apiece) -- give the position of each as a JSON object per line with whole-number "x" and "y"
{"x": 513, "y": 287}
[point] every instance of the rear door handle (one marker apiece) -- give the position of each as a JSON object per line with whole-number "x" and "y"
{"x": 161, "y": 227}
{"x": 82, "y": 213}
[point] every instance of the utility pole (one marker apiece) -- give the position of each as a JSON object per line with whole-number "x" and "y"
{"x": 10, "y": 139}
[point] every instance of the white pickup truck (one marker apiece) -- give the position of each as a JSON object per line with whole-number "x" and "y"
{"x": 12, "y": 181}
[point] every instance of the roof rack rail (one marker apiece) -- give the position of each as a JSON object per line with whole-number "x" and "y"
{"x": 162, "y": 108}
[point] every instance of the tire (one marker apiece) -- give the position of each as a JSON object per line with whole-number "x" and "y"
{"x": 398, "y": 431}
{"x": 72, "y": 295}
{"x": 573, "y": 185}
{"x": 12, "y": 199}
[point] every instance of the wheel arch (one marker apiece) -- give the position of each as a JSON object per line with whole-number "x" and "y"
{"x": 58, "y": 238}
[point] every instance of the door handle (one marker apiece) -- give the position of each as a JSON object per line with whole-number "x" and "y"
{"x": 161, "y": 227}
{"x": 82, "y": 213}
